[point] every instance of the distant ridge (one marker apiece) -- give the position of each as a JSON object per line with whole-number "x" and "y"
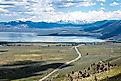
{"x": 31, "y": 24}
{"x": 106, "y": 29}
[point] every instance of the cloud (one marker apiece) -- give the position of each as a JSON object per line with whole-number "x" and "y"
{"x": 94, "y": 15}
{"x": 3, "y": 10}
{"x": 53, "y": 10}
{"x": 101, "y": 0}
{"x": 87, "y": 4}
{"x": 5, "y": 6}
{"x": 72, "y": 3}
{"x": 102, "y": 8}
{"x": 114, "y": 4}
{"x": 79, "y": 16}
{"x": 102, "y": 4}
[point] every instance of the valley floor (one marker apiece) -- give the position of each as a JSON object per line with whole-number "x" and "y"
{"x": 31, "y": 62}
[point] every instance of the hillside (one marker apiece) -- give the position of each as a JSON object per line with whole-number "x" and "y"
{"x": 109, "y": 29}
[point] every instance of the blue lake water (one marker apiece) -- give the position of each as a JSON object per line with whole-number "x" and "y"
{"x": 32, "y": 37}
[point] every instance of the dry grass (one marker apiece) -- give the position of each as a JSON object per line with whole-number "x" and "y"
{"x": 101, "y": 76}
{"x": 34, "y": 53}
{"x": 30, "y": 57}
{"x": 56, "y": 54}
{"x": 107, "y": 52}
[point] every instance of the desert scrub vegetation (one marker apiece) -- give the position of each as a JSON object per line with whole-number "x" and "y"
{"x": 96, "y": 72}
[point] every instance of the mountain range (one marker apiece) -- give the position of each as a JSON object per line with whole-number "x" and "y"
{"x": 106, "y": 29}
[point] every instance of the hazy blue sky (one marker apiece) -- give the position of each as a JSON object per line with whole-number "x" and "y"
{"x": 56, "y": 10}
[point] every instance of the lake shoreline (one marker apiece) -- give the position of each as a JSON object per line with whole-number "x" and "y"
{"x": 32, "y": 37}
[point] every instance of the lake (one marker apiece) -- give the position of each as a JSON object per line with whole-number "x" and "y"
{"x": 32, "y": 37}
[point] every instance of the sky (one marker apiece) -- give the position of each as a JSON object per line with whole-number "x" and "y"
{"x": 59, "y": 10}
